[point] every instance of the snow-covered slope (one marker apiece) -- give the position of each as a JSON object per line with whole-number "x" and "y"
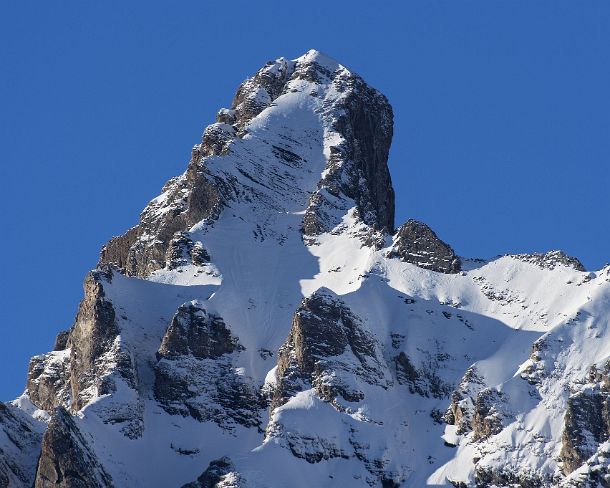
{"x": 265, "y": 325}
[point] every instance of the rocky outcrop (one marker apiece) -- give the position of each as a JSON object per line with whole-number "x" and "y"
{"x": 257, "y": 93}
{"x": 185, "y": 201}
{"x": 424, "y": 381}
{"x": 357, "y": 166}
{"x": 20, "y": 439}
{"x": 594, "y": 473}
{"x": 219, "y": 474}
{"x": 505, "y": 477}
{"x": 587, "y": 420}
{"x": 195, "y": 375}
{"x": 97, "y": 357}
{"x": 415, "y": 243}
{"x": 324, "y": 329}
{"x": 488, "y": 414}
{"x": 550, "y": 260}
{"x": 182, "y": 251}
{"x": 62, "y": 341}
{"x": 331, "y": 362}
{"x": 461, "y": 412}
{"x": 476, "y": 408}
{"x": 100, "y": 362}
{"x": 93, "y": 334}
{"x": 196, "y": 332}
{"x": 534, "y": 370}
{"x": 48, "y": 383}
{"x": 66, "y": 460}
{"x": 198, "y": 194}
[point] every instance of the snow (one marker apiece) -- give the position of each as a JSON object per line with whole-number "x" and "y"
{"x": 489, "y": 315}
{"x": 313, "y": 56}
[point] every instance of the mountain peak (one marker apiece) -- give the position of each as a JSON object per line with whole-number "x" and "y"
{"x": 263, "y": 325}
{"x": 302, "y": 137}
{"x": 315, "y": 56}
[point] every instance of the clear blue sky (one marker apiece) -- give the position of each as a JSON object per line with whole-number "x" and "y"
{"x": 502, "y": 124}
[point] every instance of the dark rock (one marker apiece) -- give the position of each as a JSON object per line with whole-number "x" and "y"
{"x": 18, "y": 455}
{"x": 215, "y": 474}
{"x": 461, "y": 412}
{"x": 182, "y": 250}
{"x": 226, "y": 116}
{"x": 188, "y": 199}
{"x": 423, "y": 381}
{"x": 534, "y": 372}
{"x": 48, "y": 384}
{"x": 488, "y": 415}
{"x": 550, "y": 260}
{"x": 62, "y": 341}
{"x": 322, "y": 329}
{"x": 93, "y": 335}
{"x": 257, "y": 93}
{"x": 596, "y": 472}
{"x": 405, "y": 371}
{"x": 216, "y": 138}
{"x": 195, "y": 375}
{"x": 66, "y": 460}
{"x": 586, "y": 425}
{"x": 415, "y": 243}
{"x": 357, "y": 168}
{"x": 100, "y": 361}
{"x": 506, "y": 477}
{"x": 194, "y": 331}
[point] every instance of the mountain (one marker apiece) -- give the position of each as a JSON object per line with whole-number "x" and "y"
{"x": 266, "y": 325}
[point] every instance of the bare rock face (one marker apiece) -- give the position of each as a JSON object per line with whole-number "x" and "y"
{"x": 93, "y": 334}
{"x": 194, "y": 331}
{"x": 257, "y": 93}
{"x": 332, "y": 359}
{"x": 488, "y": 414}
{"x": 423, "y": 381}
{"x": 594, "y": 473}
{"x": 96, "y": 353}
{"x": 357, "y": 166}
{"x": 48, "y": 384}
{"x": 477, "y": 409}
{"x": 324, "y": 328}
{"x": 66, "y": 460}
{"x": 187, "y": 200}
{"x": 18, "y": 456}
{"x": 62, "y": 341}
{"x": 219, "y": 474}
{"x": 461, "y": 412}
{"x": 488, "y": 478}
{"x": 100, "y": 362}
{"x": 195, "y": 375}
{"x": 182, "y": 250}
{"x": 414, "y": 242}
{"x": 550, "y": 260}
{"x": 586, "y": 421}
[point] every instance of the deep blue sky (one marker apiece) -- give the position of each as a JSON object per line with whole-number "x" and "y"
{"x": 502, "y": 124}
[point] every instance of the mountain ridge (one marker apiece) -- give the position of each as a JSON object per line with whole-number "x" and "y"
{"x": 265, "y": 324}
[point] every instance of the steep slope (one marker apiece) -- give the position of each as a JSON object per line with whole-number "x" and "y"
{"x": 265, "y": 325}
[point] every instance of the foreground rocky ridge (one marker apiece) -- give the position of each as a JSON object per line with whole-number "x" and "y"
{"x": 264, "y": 324}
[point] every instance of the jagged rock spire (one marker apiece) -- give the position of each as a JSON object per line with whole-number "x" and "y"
{"x": 333, "y": 159}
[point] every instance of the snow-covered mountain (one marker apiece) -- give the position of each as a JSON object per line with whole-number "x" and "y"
{"x": 266, "y": 325}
